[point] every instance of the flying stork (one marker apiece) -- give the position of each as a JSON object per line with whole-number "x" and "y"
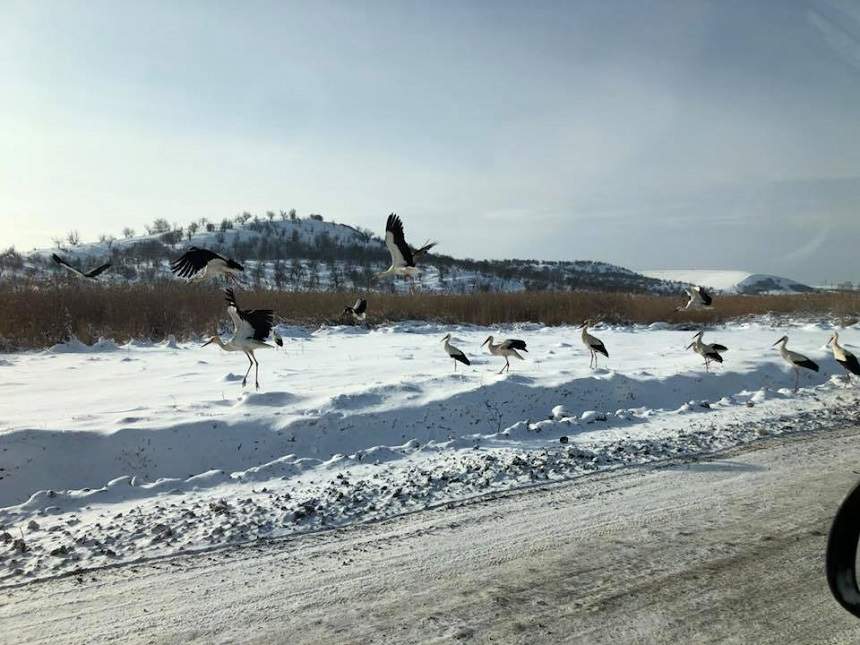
{"x": 710, "y": 352}
{"x": 358, "y": 311}
{"x": 506, "y": 348}
{"x": 845, "y": 358}
{"x": 251, "y": 328}
{"x": 92, "y": 274}
{"x": 698, "y": 298}
{"x": 403, "y": 256}
{"x": 454, "y": 352}
{"x": 198, "y": 264}
{"x": 595, "y": 345}
{"x": 795, "y": 360}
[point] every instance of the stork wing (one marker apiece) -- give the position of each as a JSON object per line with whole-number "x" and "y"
{"x": 704, "y": 296}
{"x": 401, "y": 254}
{"x": 360, "y": 306}
{"x": 97, "y": 271}
{"x": 692, "y": 294}
{"x": 802, "y": 361}
{"x": 249, "y": 323}
{"x": 513, "y": 343}
{"x": 68, "y": 267}
{"x": 192, "y": 262}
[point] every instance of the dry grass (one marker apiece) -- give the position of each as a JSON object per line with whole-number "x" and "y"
{"x": 38, "y": 317}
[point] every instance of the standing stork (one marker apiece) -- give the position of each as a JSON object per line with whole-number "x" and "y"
{"x": 506, "y": 348}
{"x": 698, "y": 298}
{"x": 710, "y": 352}
{"x": 92, "y": 274}
{"x": 251, "y": 328}
{"x": 595, "y": 345}
{"x": 358, "y": 311}
{"x": 796, "y": 360}
{"x": 845, "y": 358}
{"x": 403, "y": 256}
{"x": 197, "y": 264}
{"x": 454, "y": 352}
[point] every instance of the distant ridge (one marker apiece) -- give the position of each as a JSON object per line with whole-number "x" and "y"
{"x": 741, "y": 282}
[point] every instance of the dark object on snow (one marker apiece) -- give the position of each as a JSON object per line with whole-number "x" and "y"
{"x": 841, "y": 558}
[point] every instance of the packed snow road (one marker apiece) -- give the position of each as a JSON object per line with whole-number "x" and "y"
{"x": 726, "y": 549}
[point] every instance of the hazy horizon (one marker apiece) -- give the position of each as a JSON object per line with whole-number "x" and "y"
{"x": 674, "y": 136}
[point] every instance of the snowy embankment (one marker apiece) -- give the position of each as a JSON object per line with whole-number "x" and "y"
{"x": 116, "y": 453}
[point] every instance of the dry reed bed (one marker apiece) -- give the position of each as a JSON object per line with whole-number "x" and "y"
{"x": 33, "y": 317}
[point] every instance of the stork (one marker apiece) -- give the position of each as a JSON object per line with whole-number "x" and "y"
{"x": 595, "y": 345}
{"x": 698, "y": 298}
{"x": 710, "y": 352}
{"x": 403, "y": 256}
{"x": 796, "y": 360}
{"x": 358, "y": 311}
{"x": 197, "y": 264}
{"x": 506, "y": 348}
{"x": 92, "y": 274}
{"x": 845, "y": 358}
{"x": 251, "y": 328}
{"x": 454, "y": 352}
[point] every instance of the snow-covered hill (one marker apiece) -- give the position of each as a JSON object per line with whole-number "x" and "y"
{"x": 730, "y": 281}
{"x": 294, "y": 253}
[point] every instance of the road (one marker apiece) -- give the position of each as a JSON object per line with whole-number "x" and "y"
{"x": 724, "y": 550}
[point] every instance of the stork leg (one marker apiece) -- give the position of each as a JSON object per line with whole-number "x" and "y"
{"x": 256, "y": 371}
{"x": 455, "y": 365}
{"x": 250, "y": 365}
{"x": 796, "y": 379}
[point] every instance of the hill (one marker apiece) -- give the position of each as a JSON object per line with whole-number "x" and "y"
{"x": 740, "y": 282}
{"x": 310, "y": 254}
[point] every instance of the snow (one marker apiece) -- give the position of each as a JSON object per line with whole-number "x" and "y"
{"x": 729, "y": 281}
{"x": 119, "y": 453}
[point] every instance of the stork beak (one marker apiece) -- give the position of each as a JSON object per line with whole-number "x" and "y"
{"x": 777, "y": 343}
{"x": 689, "y": 346}
{"x": 832, "y": 338}
{"x": 208, "y": 342}
{"x": 485, "y": 342}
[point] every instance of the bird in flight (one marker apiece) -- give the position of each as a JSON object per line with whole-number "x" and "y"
{"x": 403, "y": 256}
{"x": 92, "y": 274}
{"x": 198, "y": 264}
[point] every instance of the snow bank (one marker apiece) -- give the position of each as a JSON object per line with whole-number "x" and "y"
{"x": 151, "y": 448}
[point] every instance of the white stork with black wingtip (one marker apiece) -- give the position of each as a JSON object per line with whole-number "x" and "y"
{"x": 251, "y": 328}
{"x": 506, "y": 348}
{"x": 699, "y": 298}
{"x": 403, "y": 256}
{"x": 797, "y": 361}
{"x": 92, "y": 274}
{"x": 845, "y": 358}
{"x": 454, "y": 352}
{"x": 595, "y": 345}
{"x": 197, "y": 264}
{"x": 710, "y": 352}
{"x": 358, "y": 311}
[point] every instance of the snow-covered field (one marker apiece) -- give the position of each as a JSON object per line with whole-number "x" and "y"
{"x": 117, "y": 453}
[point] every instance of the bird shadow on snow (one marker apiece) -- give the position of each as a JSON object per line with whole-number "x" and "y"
{"x": 354, "y": 425}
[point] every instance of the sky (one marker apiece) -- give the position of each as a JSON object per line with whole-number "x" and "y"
{"x": 659, "y": 134}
